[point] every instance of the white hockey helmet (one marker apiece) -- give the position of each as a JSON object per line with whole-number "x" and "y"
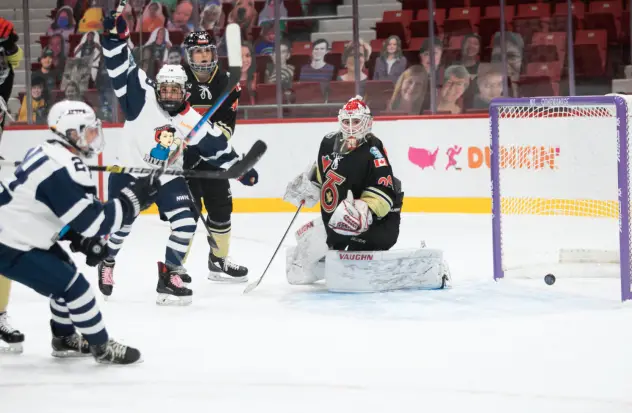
{"x": 77, "y": 124}
{"x": 171, "y": 83}
{"x": 355, "y": 120}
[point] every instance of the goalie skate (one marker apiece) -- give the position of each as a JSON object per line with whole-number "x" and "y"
{"x": 10, "y": 339}
{"x": 171, "y": 289}
{"x": 224, "y": 270}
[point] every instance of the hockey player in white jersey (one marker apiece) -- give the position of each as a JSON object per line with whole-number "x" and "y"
{"x": 157, "y": 119}
{"x": 52, "y": 194}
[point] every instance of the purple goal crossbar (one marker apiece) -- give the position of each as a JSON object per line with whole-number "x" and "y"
{"x": 622, "y": 167}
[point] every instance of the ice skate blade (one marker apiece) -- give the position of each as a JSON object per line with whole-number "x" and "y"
{"x": 110, "y": 364}
{"x": 172, "y": 300}
{"x": 11, "y": 348}
{"x": 69, "y": 354}
{"x": 223, "y": 278}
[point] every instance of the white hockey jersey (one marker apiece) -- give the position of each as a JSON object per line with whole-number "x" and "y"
{"x": 53, "y": 188}
{"x": 150, "y": 133}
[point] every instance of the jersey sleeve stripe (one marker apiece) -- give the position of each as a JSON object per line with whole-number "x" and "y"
{"x": 381, "y": 194}
{"x": 114, "y": 51}
{"x": 94, "y": 227}
{"x": 120, "y": 91}
{"x": 121, "y": 69}
{"x": 74, "y": 211}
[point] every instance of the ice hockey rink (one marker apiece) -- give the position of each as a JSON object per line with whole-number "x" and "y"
{"x": 483, "y": 346}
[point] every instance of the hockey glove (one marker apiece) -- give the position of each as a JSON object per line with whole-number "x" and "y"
{"x": 302, "y": 189}
{"x": 115, "y": 27}
{"x": 250, "y": 178}
{"x": 139, "y": 195}
{"x": 351, "y": 217}
{"x": 94, "y": 248}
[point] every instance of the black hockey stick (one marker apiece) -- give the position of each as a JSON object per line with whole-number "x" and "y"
{"x": 235, "y": 171}
{"x": 233, "y": 48}
{"x": 255, "y": 283}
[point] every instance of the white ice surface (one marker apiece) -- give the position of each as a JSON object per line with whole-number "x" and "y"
{"x": 514, "y": 346}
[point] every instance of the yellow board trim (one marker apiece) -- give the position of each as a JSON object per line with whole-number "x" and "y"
{"x": 532, "y": 206}
{"x": 449, "y": 205}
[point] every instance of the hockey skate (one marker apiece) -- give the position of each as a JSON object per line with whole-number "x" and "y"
{"x": 224, "y": 270}
{"x": 10, "y": 339}
{"x": 70, "y": 346}
{"x": 171, "y": 289}
{"x": 106, "y": 278}
{"x": 115, "y": 353}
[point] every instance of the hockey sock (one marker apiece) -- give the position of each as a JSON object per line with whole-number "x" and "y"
{"x": 84, "y": 311}
{"x": 60, "y": 321}
{"x": 182, "y": 230}
{"x": 115, "y": 241}
{"x": 221, "y": 235}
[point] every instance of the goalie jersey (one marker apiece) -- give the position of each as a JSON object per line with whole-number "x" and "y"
{"x": 150, "y": 133}
{"x": 52, "y": 188}
{"x": 366, "y": 171}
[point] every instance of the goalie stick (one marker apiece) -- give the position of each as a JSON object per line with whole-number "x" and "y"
{"x": 233, "y": 48}
{"x": 255, "y": 283}
{"x": 246, "y": 163}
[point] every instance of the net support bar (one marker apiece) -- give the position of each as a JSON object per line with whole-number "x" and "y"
{"x": 622, "y": 116}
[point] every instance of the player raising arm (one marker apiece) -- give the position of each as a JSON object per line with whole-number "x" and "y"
{"x": 360, "y": 203}
{"x": 205, "y": 83}
{"x": 157, "y": 120}
{"x": 52, "y": 192}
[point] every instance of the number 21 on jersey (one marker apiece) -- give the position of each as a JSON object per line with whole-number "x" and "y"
{"x": 329, "y": 194}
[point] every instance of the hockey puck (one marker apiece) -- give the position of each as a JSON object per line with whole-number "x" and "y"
{"x": 549, "y": 279}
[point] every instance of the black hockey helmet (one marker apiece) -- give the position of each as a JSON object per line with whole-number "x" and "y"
{"x": 197, "y": 42}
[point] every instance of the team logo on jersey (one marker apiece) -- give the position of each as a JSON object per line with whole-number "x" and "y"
{"x": 376, "y": 152}
{"x": 166, "y": 142}
{"x": 235, "y": 105}
{"x": 327, "y": 162}
{"x": 329, "y": 194}
{"x": 205, "y": 92}
{"x": 380, "y": 162}
{"x": 386, "y": 181}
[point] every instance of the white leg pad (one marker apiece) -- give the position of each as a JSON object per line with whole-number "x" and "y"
{"x": 375, "y": 271}
{"x": 304, "y": 262}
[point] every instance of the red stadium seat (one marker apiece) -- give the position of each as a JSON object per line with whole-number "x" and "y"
{"x": 534, "y": 10}
{"x": 462, "y": 20}
{"x": 338, "y": 46}
{"x": 559, "y": 20}
{"x": 548, "y": 46}
{"x": 419, "y": 27}
{"x": 376, "y": 46}
{"x": 550, "y": 69}
{"x": 490, "y": 24}
{"x": 340, "y": 91}
{"x": 394, "y": 23}
{"x": 302, "y": 48}
{"x": 378, "y": 93}
{"x": 590, "y": 52}
{"x": 308, "y": 92}
{"x": 604, "y": 15}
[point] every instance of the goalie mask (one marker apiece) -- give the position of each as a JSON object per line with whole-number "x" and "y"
{"x": 77, "y": 124}
{"x": 171, "y": 87}
{"x": 201, "y": 52}
{"x": 355, "y": 123}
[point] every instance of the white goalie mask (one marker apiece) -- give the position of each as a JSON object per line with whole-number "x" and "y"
{"x": 76, "y": 123}
{"x": 171, "y": 83}
{"x": 355, "y": 121}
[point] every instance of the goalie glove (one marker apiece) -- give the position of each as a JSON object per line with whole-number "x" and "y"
{"x": 302, "y": 189}
{"x": 351, "y": 217}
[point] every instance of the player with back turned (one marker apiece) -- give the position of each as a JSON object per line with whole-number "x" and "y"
{"x": 205, "y": 82}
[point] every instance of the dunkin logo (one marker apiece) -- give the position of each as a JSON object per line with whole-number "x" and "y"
{"x": 355, "y": 257}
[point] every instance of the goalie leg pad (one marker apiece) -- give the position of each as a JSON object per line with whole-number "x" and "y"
{"x": 376, "y": 271}
{"x": 303, "y": 262}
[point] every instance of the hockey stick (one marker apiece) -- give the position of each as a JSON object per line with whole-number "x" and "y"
{"x": 233, "y": 48}
{"x": 254, "y": 284}
{"x": 235, "y": 171}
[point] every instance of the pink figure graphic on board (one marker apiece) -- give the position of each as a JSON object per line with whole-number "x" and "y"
{"x": 452, "y": 153}
{"x": 423, "y": 158}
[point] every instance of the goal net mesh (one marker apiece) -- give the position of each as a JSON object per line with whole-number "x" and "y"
{"x": 558, "y": 182}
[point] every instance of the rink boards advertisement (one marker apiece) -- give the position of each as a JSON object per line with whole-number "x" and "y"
{"x": 443, "y": 163}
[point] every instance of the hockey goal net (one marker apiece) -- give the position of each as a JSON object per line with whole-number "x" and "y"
{"x": 560, "y": 184}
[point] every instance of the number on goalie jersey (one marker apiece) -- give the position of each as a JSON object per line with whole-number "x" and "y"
{"x": 360, "y": 165}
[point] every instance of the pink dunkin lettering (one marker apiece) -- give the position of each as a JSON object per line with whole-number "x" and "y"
{"x": 423, "y": 158}
{"x": 355, "y": 257}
